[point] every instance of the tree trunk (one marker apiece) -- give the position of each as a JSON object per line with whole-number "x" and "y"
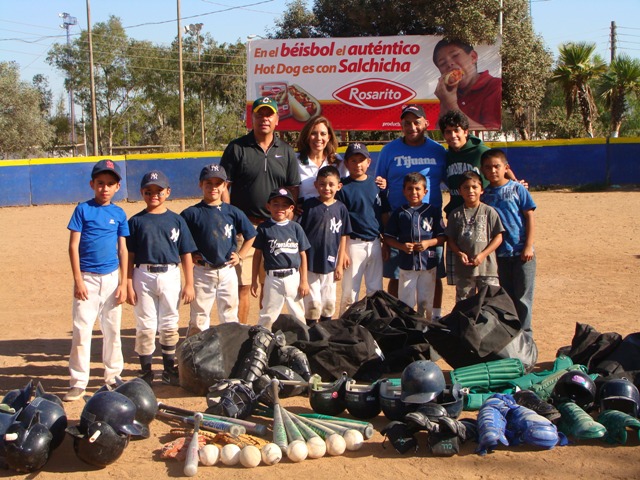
{"x": 585, "y": 110}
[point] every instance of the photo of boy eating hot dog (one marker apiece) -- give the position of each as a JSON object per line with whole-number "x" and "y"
{"x": 462, "y": 87}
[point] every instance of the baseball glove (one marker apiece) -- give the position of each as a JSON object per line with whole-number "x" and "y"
{"x": 178, "y": 448}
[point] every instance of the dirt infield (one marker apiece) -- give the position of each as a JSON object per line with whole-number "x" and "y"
{"x": 588, "y": 247}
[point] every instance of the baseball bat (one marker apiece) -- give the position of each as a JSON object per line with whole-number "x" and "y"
{"x": 191, "y": 462}
{"x": 307, "y": 432}
{"x": 251, "y": 428}
{"x": 208, "y": 425}
{"x": 322, "y": 430}
{"x": 293, "y": 432}
{"x": 331, "y": 418}
{"x": 279, "y": 432}
{"x": 366, "y": 430}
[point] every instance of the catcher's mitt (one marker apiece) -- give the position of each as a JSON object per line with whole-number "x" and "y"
{"x": 231, "y": 398}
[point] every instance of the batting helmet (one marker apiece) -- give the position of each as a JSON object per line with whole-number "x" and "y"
{"x": 27, "y": 447}
{"x": 577, "y": 387}
{"x": 391, "y": 404}
{"x": 362, "y": 400}
{"x": 620, "y": 394}
{"x": 421, "y": 382}
{"x": 100, "y": 446}
{"x": 328, "y": 399}
{"x": 141, "y": 394}
{"x": 51, "y": 416}
{"x": 112, "y": 408}
{"x": 48, "y": 396}
{"x": 18, "y": 398}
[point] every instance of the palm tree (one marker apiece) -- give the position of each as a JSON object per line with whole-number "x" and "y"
{"x": 622, "y": 79}
{"x": 577, "y": 68}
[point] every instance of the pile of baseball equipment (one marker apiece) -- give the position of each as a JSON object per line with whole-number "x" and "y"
{"x": 423, "y": 410}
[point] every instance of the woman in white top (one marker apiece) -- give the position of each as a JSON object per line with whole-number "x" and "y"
{"x": 317, "y": 145}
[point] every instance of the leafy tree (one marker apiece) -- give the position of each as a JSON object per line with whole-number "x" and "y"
{"x": 576, "y": 70}
{"x": 296, "y": 22}
{"x": 24, "y": 128}
{"x": 41, "y": 83}
{"x": 617, "y": 84}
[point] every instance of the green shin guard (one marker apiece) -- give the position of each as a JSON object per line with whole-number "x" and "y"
{"x": 490, "y": 376}
{"x": 546, "y": 379}
{"x": 577, "y": 423}
{"x": 616, "y": 424}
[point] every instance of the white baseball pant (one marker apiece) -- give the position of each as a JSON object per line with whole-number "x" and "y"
{"x": 366, "y": 261}
{"x": 321, "y": 301}
{"x": 418, "y": 287}
{"x": 101, "y": 305}
{"x": 210, "y": 285}
{"x": 277, "y": 292}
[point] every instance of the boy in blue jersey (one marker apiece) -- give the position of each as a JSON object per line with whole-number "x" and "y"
{"x": 159, "y": 241}
{"x": 282, "y": 244}
{"x": 98, "y": 255}
{"x": 516, "y": 256}
{"x": 415, "y": 229}
{"x": 214, "y": 226}
{"x": 368, "y": 211}
{"x": 326, "y": 223}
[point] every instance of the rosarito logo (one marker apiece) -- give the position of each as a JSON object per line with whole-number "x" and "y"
{"x": 374, "y": 94}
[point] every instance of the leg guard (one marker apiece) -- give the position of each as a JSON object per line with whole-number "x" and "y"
{"x": 492, "y": 425}
{"x": 257, "y": 359}
{"x": 577, "y": 423}
{"x": 526, "y": 426}
{"x": 492, "y": 376}
{"x": 296, "y": 360}
{"x": 616, "y": 424}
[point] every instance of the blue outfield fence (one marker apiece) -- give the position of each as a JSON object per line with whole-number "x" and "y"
{"x": 44, "y": 181}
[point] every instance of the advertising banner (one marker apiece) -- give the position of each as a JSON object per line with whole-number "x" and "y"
{"x": 362, "y": 83}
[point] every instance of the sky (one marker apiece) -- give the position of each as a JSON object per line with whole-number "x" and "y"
{"x": 28, "y": 28}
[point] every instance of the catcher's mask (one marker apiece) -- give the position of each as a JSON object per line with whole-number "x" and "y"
{"x": 231, "y": 398}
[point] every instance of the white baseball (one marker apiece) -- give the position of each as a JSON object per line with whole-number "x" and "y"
{"x": 250, "y": 456}
{"x": 316, "y": 446}
{"x": 353, "y": 440}
{"x": 271, "y": 454}
{"x": 209, "y": 455}
{"x": 230, "y": 454}
{"x": 297, "y": 451}
{"x": 335, "y": 444}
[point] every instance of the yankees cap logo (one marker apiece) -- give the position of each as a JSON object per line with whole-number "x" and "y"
{"x": 282, "y": 191}
{"x": 153, "y": 176}
{"x": 214, "y": 168}
{"x": 357, "y": 146}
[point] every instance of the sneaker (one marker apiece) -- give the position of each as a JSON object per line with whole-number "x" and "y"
{"x": 171, "y": 377}
{"x": 530, "y": 400}
{"x": 147, "y": 376}
{"x": 74, "y": 393}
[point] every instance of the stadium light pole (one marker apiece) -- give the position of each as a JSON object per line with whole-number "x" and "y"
{"x": 94, "y": 110}
{"x": 194, "y": 29}
{"x": 181, "y": 81}
{"x": 67, "y": 22}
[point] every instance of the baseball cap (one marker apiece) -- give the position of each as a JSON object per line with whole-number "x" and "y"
{"x": 155, "y": 177}
{"x": 354, "y": 148}
{"x": 417, "y": 110}
{"x": 265, "y": 102}
{"x": 281, "y": 192}
{"x": 106, "y": 166}
{"x": 213, "y": 171}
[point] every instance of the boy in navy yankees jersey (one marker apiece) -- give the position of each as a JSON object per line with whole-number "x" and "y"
{"x": 214, "y": 226}
{"x": 326, "y": 223}
{"x": 368, "y": 211}
{"x": 159, "y": 241}
{"x": 415, "y": 229}
{"x": 282, "y": 243}
{"x": 98, "y": 252}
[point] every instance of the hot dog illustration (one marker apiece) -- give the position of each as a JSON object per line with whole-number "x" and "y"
{"x": 303, "y": 104}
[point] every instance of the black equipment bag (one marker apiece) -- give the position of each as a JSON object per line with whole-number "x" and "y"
{"x": 480, "y": 329}
{"x": 589, "y": 347}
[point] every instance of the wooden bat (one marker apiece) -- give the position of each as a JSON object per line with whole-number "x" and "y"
{"x": 191, "y": 462}
{"x": 208, "y": 425}
{"x": 251, "y": 428}
{"x": 279, "y": 431}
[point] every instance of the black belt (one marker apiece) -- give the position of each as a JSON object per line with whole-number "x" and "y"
{"x": 353, "y": 237}
{"x": 282, "y": 273}
{"x": 208, "y": 266}
{"x": 155, "y": 268}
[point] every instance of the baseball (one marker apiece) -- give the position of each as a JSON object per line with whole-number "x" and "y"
{"x": 335, "y": 444}
{"x": 297, "y": 451}
{"x": 209, "y": 455}
{"x": 271, "y": 454}
{"x": 316, "y": 446}
{"x": 250, "y": 456}
{"x": 353, "y": 440}
{"x": 230, "y": 455}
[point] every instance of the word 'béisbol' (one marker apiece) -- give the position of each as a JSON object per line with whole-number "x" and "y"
{"x": 299, "y": 49}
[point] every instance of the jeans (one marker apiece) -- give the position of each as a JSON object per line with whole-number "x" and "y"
{"x": 518, "y": 278}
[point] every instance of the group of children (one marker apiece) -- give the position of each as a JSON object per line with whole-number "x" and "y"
{"x": 337, "y": 237}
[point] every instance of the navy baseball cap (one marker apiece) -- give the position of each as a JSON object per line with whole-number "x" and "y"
{"x": 265, "y": 102}
{"x": 417, "y": 110}
{"x": 354, "y": 148}
{"x": 106, "y": 166}
{"x": 281, "y": 192}
{"x": 155, "y": 177}
{"x": 213, "y": 171}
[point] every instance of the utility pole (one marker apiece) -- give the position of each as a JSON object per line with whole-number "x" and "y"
{"x": 194, "y": 29}
{"x": 94, "y": 110}
{"x": 180, "y": 82}
{"x": 67, "y": 22}
{"x": 613, "y": 41}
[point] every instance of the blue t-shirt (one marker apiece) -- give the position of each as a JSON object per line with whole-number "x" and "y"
{"x": 511, "y": 200}
{"x": 159, "y": 238}
{"x": 281, "y": 244}
{"x": 397, "y": 159}
{"x": 324, "y": 225}
{"x": 411, "y": 225}
{"x": 99, "y": 226}
{"x": 214, "y": 229}
{"x": 366, "y": 204}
